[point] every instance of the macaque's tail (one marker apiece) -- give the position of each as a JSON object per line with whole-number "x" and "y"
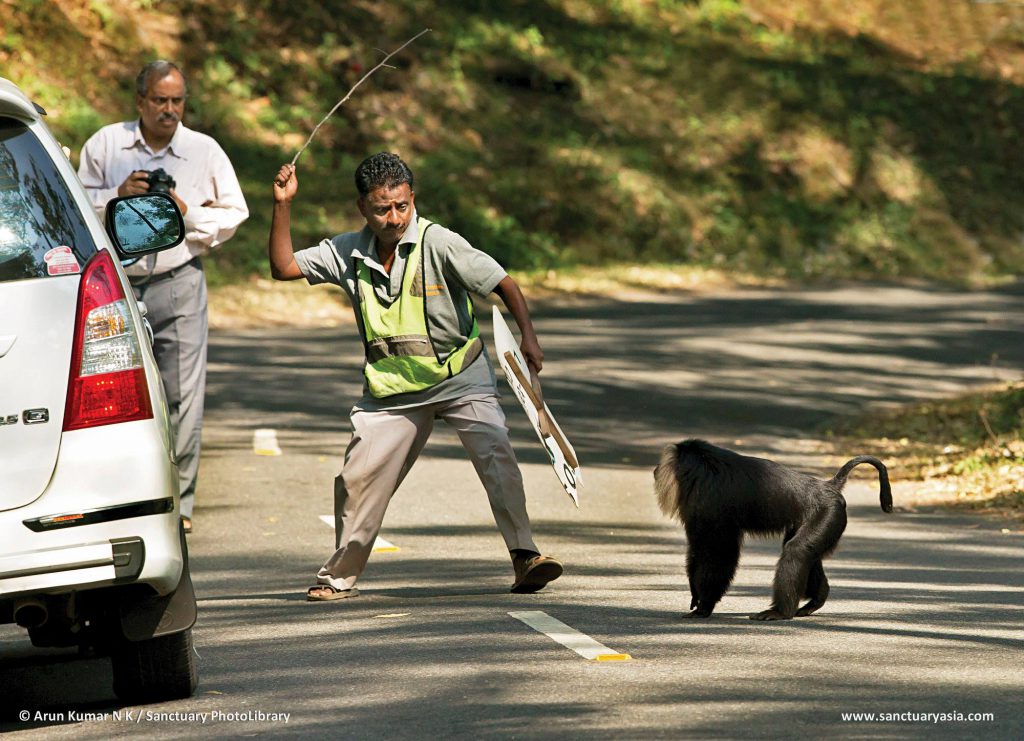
{"x": 885, "y": 493}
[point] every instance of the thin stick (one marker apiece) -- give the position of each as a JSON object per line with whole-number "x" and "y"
{"x": 988, "y": 428}
{"x": 337, "y": 105}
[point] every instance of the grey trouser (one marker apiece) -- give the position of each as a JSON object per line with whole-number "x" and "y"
{"x": 383, "y": 448}
{"x": 176, "y": 309}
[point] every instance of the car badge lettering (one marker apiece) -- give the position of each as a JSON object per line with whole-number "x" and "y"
{"x": 35, "y": 416}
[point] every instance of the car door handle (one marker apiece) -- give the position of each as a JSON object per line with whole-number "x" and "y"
{"x": 6, "y": 343}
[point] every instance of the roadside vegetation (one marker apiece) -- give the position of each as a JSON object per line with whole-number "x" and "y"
{"x": 612, "y": 144}
{"x": 805, "y": 139}
{"x": 967, "y": 451}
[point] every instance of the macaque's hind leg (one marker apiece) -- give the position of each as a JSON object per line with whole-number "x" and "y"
{"x": 790, "y": 580}
{"x": 817, "y": 590}
{"x": 773, "y": 613}
{"x": 801, "y": 556}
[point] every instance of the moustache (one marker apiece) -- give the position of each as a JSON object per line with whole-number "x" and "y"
{"x": 167, "y": 118}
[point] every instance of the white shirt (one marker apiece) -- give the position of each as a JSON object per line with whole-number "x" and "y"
{"x": 202, "y": 172}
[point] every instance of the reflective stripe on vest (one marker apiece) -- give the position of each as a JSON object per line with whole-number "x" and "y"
{"x": 400, "y": 356}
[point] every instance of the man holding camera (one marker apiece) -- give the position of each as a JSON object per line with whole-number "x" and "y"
{"x": 156, "y": 152}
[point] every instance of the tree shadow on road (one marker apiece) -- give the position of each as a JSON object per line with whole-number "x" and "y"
{"x": 624, "y": 377}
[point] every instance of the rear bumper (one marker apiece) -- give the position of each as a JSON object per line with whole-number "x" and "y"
{"x": 112, "y": 484}
{"x": 138, "y": 550}
{"x": 114, "y": 561}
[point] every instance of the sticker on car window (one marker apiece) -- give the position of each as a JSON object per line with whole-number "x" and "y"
{"x": 61, "y": 261}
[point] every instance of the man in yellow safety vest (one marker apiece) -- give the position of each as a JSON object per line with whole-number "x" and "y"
{"x": 410, "y": 282}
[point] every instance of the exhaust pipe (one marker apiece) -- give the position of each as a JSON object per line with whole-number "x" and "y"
{"x": 30, "y": 612}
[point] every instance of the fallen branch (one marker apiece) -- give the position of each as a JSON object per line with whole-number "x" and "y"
{"x": 382, "y": 63}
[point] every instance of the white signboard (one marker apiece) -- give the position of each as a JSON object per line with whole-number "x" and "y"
{"x": 527, "y": 389}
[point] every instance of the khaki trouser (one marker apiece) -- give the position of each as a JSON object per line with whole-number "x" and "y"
{"x": 383, "y": 448}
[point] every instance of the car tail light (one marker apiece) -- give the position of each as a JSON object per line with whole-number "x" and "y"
{"x": 108, "y": 381}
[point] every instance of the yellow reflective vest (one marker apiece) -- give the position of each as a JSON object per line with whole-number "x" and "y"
{"x": 400, "y": 355}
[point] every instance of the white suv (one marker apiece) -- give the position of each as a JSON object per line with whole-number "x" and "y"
{"x": 92, "y": 552}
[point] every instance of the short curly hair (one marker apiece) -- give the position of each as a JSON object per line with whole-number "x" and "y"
{"x": 381, "y": 170}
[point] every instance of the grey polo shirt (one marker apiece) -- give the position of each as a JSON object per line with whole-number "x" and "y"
{"x": 454, "y": 269}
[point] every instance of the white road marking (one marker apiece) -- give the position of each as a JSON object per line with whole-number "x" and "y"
{"x": 264, "y": 442}
{"x": 571, "y": 638}
{"x": 379, "y": 545}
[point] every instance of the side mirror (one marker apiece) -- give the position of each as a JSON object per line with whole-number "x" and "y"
{"x": 138, "y": 225}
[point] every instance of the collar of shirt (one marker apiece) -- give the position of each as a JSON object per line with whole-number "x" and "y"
{"x": 389, "y": 285}
{"x": 405, "y": 246}
{"x": 173, "y": 148}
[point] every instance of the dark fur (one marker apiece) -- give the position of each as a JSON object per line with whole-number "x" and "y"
{"x": 719, "y": 495}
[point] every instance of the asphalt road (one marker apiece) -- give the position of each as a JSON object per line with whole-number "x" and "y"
{"x": 924, "y": 623}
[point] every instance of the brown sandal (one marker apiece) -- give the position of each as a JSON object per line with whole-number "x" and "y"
{"x": 326, "y": 593}
{"x": 534, "y": 573}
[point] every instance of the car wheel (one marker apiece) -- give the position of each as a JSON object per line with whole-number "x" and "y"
{"x": 161, "y": 668}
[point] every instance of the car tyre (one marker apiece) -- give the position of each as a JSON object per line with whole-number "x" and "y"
{"x": 157, "y": 669}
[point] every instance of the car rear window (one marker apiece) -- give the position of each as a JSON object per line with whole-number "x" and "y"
{"x": 42, "y": 232}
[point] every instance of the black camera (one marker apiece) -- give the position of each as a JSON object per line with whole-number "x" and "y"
{"x": 160, "y": 181}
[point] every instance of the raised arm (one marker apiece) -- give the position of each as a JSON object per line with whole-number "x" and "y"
{"x": 279, "y": 247}
{"x": 514, "y": 300}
